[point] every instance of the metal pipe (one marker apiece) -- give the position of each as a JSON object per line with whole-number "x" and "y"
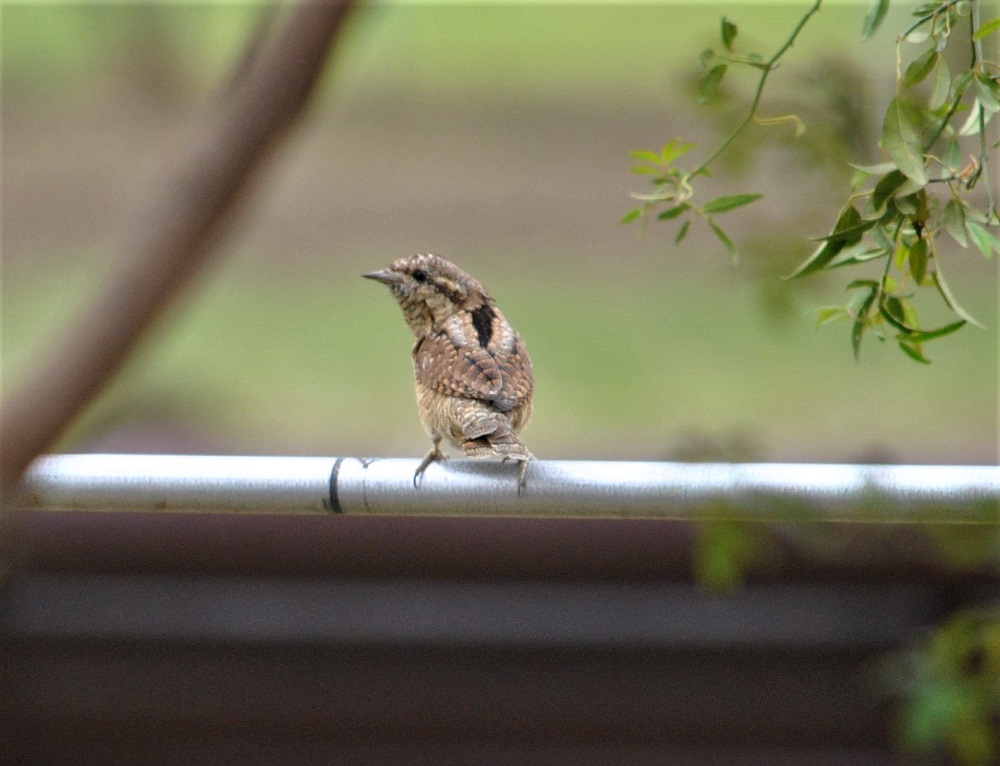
{"x": 555, "y": 489}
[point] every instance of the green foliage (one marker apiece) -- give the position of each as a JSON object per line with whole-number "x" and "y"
{"x": 950, "y": 686}
{"x": 902, "y": 211}
{"x": 875, "y": 17}
{"x": 921, "y": 194}
{"x": 724, "y": 551}
{"x": 674, "y": 191}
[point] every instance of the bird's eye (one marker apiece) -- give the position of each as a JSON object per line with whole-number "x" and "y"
{"x": 420, "y": 275}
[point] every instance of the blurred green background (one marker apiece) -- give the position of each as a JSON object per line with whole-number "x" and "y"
{"x": 497, "y": 136}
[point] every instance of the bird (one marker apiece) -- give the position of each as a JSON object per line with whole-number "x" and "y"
{"x": 473, "y": 376}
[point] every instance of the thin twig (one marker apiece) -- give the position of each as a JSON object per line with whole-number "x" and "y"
{"x": 765, "y": 72}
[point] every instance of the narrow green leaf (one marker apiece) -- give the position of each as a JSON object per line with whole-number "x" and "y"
{"x": 849, "y": 227}
{"x": 907, "y": 205}
{"x": 920, "y": 67}
{"x": 940, "y": 85}
{"x": 918, "y": 261}
{"x": 729, "y": 33}
{"x": 913, "y": 352}
{"x": 874, "y": 18}
{"x": 971, "y": 126}
{"x": 672, "y": 150}
{"x": 952, "y": 156}
{"x": 710, "y": 83}
{"x": 673, "y": 212}
{"x": 631, "y": 215}
{"x": 865, "y": 283}
{"x": 682, "y": 232}
{"x": 829, "y": 314}
{"x": 954, "y": 221}
{"x": 850, "y": 233}
{"x": 901, "y": 139}
{"x": 858, "y": 177}
{"x": 962, "y": 82}
{"x": 910, "y": 187}
{"x": 820, "y": 257}
{"x": 987, "y": 28}
{"x": 922, "y": 336}
{"x": 645, "y": 156}
{"x": 641, "y": 170}
{"x": 861, "y": 321}
{"x": 938, "y": 277}
{"x": 899, "y": 257}
{"x": 881, "y": 236}
{"x": 875, "y": 170}
{"x": 894, "y": 310}
{"x": 731, "y": 202}
{"x": 847, "y": 231}
{"x": 980, "y": 216}
{"x": 989, "y": 93}
{"x": 886, "y": 187}
{"x": 724, "y": 239}
{"x": 982, "y": 239}
{"x": 854, "y": 254}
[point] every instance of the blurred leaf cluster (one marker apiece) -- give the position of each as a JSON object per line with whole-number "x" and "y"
{"x": 950, "y": 687}
{"x": 900, "y": 209}
{"x": 726, "y": 550}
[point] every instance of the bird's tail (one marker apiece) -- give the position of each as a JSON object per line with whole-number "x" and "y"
{"x": 509, "y": 448}
{"x": 489, "y": 434}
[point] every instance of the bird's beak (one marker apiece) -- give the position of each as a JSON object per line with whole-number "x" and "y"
{"x": 385, "y": 276}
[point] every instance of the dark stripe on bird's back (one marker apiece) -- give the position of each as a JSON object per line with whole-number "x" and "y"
{"x": 482, "y": 319}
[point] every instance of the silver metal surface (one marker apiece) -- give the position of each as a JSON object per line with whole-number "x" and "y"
{"x": 568, "y": 489}
{"x": 179, "y": 483}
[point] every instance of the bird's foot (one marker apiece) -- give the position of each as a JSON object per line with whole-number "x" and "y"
{"x": 430, "y": 457}
{"x": 522, "y": 473}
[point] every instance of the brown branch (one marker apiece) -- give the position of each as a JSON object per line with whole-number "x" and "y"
{"x": 186, "y": 213}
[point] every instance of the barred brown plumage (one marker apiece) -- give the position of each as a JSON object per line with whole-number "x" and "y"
{"x": 473, "y": 374}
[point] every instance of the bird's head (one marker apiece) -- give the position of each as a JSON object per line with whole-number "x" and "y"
{"x": 429, "y": 289}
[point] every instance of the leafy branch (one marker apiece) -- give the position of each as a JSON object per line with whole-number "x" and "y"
{"x": 673, "y": 197}
{"x": 899, "y": 210}
{"x": 902, "y": 208}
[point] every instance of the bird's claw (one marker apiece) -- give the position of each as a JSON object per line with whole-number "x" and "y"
{"x": 522, "y": 472}
{"x": 430, "y": 457}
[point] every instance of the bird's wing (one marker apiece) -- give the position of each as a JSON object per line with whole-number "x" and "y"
{"x": 468, "y": 371}
{"x": 454, "y": 361}
{"x": 514, "y": 364}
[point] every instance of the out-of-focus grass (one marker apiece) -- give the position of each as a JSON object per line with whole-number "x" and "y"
{"x": 519, "y": 50}
{"x": 626, "y": 365}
